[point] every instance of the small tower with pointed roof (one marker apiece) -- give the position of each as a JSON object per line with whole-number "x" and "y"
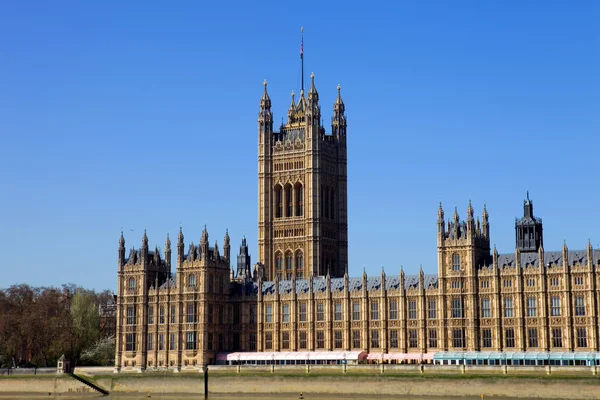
{"x": 528, "y": 230}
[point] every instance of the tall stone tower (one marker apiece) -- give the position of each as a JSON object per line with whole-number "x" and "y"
{"x": 302, "y": 190}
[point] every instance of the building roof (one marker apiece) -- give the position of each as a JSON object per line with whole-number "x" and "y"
{"x": 337, "y": 284}
{"x": 551, "y": 258}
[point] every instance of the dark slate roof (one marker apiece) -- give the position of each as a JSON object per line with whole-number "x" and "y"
{"x": 551, "y": 258}
{"x": 170, "y": 283}
{"x": 337, "y": 284}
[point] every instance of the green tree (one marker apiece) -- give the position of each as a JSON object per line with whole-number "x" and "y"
{"x": 86, "y": 321}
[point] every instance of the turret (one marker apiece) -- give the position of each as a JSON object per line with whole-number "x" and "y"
{"x": 440, "y": 221}
{"x": 485, "y": 224}
{"x": 528, "y": 230}
{"x": 382, "y": 288}
{"x": 565, "y": 256}
{"x": 121, "y": 250}
{"x": 226, "y": 246}
{"x": 338, "y": 121}
{"x": 180, "y": 248}
{"x": 590, "y": 254}
{"x": 313, "y": 96}
{"x": 204, "y": 243}
{"x": 168, "y": 255}
{"x": 145, "y": 249}
{"x": 265, "y": 114}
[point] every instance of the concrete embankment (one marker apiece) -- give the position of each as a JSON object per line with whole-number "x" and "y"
{"x": 396, "y": 380}
{"x": 47, "y": 384}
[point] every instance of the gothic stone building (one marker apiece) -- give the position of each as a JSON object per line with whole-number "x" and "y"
{"x": 299, "y": 297}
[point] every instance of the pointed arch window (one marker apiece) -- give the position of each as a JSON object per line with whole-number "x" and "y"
{"x": 278, "y": 201}
{"x": 288, "y": 266}
{"x": 192, "y": 280}
{"x": 131, "y": 283}
{"x": 455, "y": 262}
{"x": 279, "y": 265}
{"x": 289, "y": 201}
{"x": 299, "y": 200}
{"x": 299, "y": 263}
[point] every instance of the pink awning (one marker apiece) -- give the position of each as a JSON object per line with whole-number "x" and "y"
{"x": 292, "y": 355}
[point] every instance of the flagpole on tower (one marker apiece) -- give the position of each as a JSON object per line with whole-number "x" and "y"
{"x": 302, "y": 56}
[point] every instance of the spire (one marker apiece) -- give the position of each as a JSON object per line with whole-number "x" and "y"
{"x": 204, "y": 237}
{"x": 455, "y": 216}
{"x": 484, "y": 216}
{"x": 470, "y": 211}
{"x": 302, "y": 58}
{"x": 180, "y": 237}
{"x": 292, "y": 109}
{"x": 144, "y": 240}
{"x": 122, "y": 241}
{"x": 440, "y": 213}
{"x": 168, "y": 244}
{"x": 313, "y": 95}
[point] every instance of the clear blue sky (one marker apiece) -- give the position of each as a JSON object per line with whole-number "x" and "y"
{"x": 142, "y": 114}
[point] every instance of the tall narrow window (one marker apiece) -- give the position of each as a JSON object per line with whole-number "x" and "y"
{"x": 130, "y": 342}
{"x": 130, "y": 315}
{"x": 413, "y": 341}
{"x": 289, "y": 266}
{"x": 192, "y": 280}
{"x": 302, "y": 312}
{"x": 279, "y": 264}
{"x": 326, "y": 205}
{"x": 581, "y": 337}
{"x": 173, "y": 342}
{"x": 190, "y": 315}
{"x": 150, "y": 315}
{"x": 320, "y": 339}
{"x": 374, "y": 339}
{"x": 150, "y": 341}
{"x": 173, "y": 314}
{"x": 299, "y": 200}
{"x": 190, "y": 341}
{"x": 412, "y": 309}
{"x": 356, "y": 339}
{"x": 299, "y": 264}
{"x": 532, "y": 307}
{"x": 458, "y": 338}
{"x": 285, "y": 340}
{"x": 455, "y": 262}
{"x": 161, "y": 341}
{"x": 268, "y": 340}
{"x": 555, "y": 306}
{"x": 557, "y": 337}
{"x": 580, "y": 306}
{"x": 509, "y": 336}
{"x": 486, "y": 336}
{"x": 394, "y": 339}
{"x": 161, "y": 315}
{"x": 486, "y": 311}
{"x": 252, "y": 342}
{"x": 338, "y": 339}
{"x": 278, "y": 202}
{"x": 269, "y": 313}
{"x": 508, "y": 307}
{"x": 374, "y": 310}
{"x": 285, "y": 313}
{"x": 320, "y": 311}
{"x": 131, "y": 283}
{"x": 457, "y": 308}
{"x": 302, "y": 340}
{"x": 433, "y": 342}
{"x": 356, "y": 311}
{"x": 210, "y": 314}
{"x": 431, "y": 310}
{"x": 289, "y": 201}
{"x": 393, "y": 309}
{"x": 337, "y": 316}
{"x": 532, "y": 337}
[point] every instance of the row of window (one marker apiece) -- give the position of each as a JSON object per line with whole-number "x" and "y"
{"x": 289, "y": 201}
{"x": 457, "y": 309}
{"x": 191, "y": 314}
{"x": 338, "y": 311}
{"x": 458, "y": 338}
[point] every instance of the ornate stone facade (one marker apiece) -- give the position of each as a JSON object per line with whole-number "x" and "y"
{"x": 529, "y": 300}
{"x": 302, "y": 198}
